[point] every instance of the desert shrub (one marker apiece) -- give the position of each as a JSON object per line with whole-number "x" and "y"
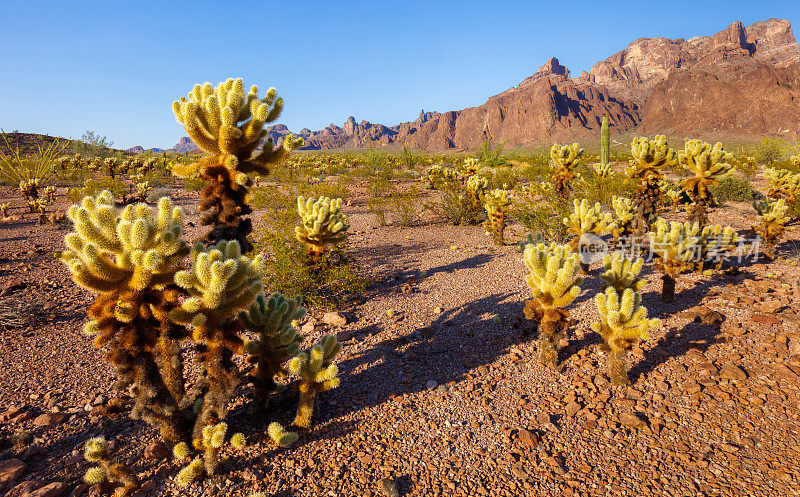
{"x": 541, "y": 211}
{"x": 733, "y": 188}
{"x": 602, "y": 190}
{"x": 378, "y": 189}
{"x": 490, "y": 154}
{"x": 41, "y": 166}
{"x": 92, "y": 187}
{"x": 770, "y": 150}
{"x": 156, "y": 193}
{"x": 405, "y": 204}
{"x": 503, "y": 178}
{"x": 408, "y": 158}
{"x": 455, "y": 204}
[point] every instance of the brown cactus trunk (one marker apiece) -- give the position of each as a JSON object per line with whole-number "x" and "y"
{"x": 668, "y": 288}
{"x": 618, "y": 367}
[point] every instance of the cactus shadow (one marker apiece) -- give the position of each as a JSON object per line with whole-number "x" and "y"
{"x": 473, "y": 262}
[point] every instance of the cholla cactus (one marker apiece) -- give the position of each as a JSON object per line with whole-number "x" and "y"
{"x": 476, "y": 189}
{"x": 622, "y": 273}
{"x": 142, "y": 189}
{"x": 674, "y": 197}
{"x": 676, "y": 244}
{"x": 554, "y": 283}
{"x": 317, "y": 374}
{"x": 29, "y": 189}
{"x": 96, "y": 451}
{"x": 470, "y": 166}
{"x": 324, "y": 224}
{"x": 280, "y": 436}
{"x": 228, "y": 124}
{"x": 129, "y": 258}
{"x": 586, "y": 219}
{"x": 709, "y": 167}
{"x": 717, "y": 243}
{"x": 50, "y": 193}
{"x": 623, "y": 322}
{"x": 603, "y": 171}
{"x": 625, "y": 214}
{"x": 111, "y": 164}
{"x": 783, "y": 184}
{"x": 278, "y": 340}
{"x": 433, "y": 177}
{"x": 565, "y": 159}
{"x": 4, "y": 209}
{"x": 773, "y": 218}
{"x": 221, "y": 283}
{"x": 496, "y": 206}
{"x": 649, "y": 156}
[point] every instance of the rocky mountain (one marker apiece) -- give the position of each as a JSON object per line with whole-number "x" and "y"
{"x": 741, "y": 82}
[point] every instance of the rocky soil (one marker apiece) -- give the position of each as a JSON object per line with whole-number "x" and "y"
{"x": 443, "y": 395}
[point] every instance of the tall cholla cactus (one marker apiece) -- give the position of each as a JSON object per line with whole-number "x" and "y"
{"x": 277, "y": 341}
{"x": 129, "y": 259}
{"x": 496, "y": 206}
{"x": 622, "y": 273}
{"x": 586, "y": 219}
{"x": 476, "y": 189}
{"x": 228, "y": 124}
{"x": 709, "y": 165}
{"x": 625, "y": 216}
{"x": 717, "y": 243}
{"x": 565, "y": 159}
{"x": 676, "y": 244}
{"x": 221, "y": 283}
{"x": 623, "y": 322}
{"x": 111, "y": 164}
{"x": 773, "y": 218}
{"x": 554, "y": 283}
{"x": 96, "y": 451}
{"x": 317, "y": 374}
{"x": 782, "y": 184}
{"x": 324, "y": 224}
{"x": 649, "y": 156}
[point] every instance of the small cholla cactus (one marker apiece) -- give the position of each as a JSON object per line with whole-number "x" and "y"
{"x": 717, "y": 243}
{"x": 623, "y": 322}
{"x": 4, "y": 209}
{"x": 622, "y": 227}
{"x": 554, "y": 283}
{"x": 709, "y": 165}
{"x": 622, "y": 273}
{"x": 96, "y": 451}
{"x": 272, "y": 320}
{"x": 29, "y": 189}
{"x": 433, "y": 176}
{"x": 317, "y": 374}
{"x": 772, "y": 216}
{"x": 783, "y": 184}
{"x": 324, "y": 224}
{"x": 142, "y": 189}
{"x": 476, "y": 189}
{"x": 496, "y": 206}
{"x": 565, "y": 159}
{"x": 470, "y": 166}
{"x": 111, "y": 164}
{"x": 676, "y": 244}
{"x": 586, "y": 219}
{"x": 674, "y": 197}
{"x": 280, "y": 436}
{"x": 649, "y": 157}
{"x": 50, "y": 192}
{"x": 603, "y": 171}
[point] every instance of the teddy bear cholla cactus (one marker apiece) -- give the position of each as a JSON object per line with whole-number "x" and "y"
{"x": 96, "y": 451}
{"x": 212, "y": 442}
{"x": 772, "y": 217}
{"x": 496, "y": 206}
{"x": 272, "y": 319}
{"x": 586, "y": 219}
{"x": 623, "y": 322}
{"x": 717, "y": 243}
{"x": 709, "y": 165}
{"x": 317, "y": 374}
{"x": 324, "y": 224}
{"x": 129, "y": 259}
{"x": 649, "y": 157}
{"x": 782, "y": 184}
{"x": 676, "y": 245}
{"x": 565, "y": 159}
{"x": 228, "y": 124}
{"x": 622, "y": 227}
{"x": 622, "y": 273}
{"x": 554, "y": 283}
{"x": 603, "y": 171}
{"x": 476, "y": 189}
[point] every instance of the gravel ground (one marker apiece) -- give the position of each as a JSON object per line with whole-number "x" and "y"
{"x": 442, "y": 396}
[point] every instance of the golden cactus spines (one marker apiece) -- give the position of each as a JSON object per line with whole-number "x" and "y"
{"x": 554, "y": 282}
{"x": 677, "y": 245}
{"x": 622, "y": 227}
{"x": 623, "y": 323}
{"x": 565, "y": 158}
{"x": 772, "y": 219}
{"x": 783, "y": 184}
{"x": 649, "y": 157}
{"x": 496, "y": 205}
{"x": 317, "y": 374}
{"x": 586, "y": 219}
{"x": 278, "y": 434}
{"x": 717, "y": 243}
{"x": 96, "y": 451}
{"x": 324, "y": 224}
{"x": 622, "y": 272}
{"x": 603, "y": 171}
{"x": 228, "y": 124}
{"x": 709, "y": 165}
{"x": 475, "y": 187}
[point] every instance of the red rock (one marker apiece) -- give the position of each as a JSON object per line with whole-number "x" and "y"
{"x": 765, "y": 319}
{"x": 49, "y": 419}
{"x": 11, "y": 470}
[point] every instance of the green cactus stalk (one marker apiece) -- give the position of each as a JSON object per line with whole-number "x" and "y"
{"x": 317, "y": 374}
{"x": 554, "y": 283}
{"x": 772, "y": 217}
{"x": 565, "y": 159}
{"x": 129, "y": 258}
{"x": 717, "y": 243}
{"x": 228, "y": 124}
{"x": 709, "y": 165}
{"x": 96, "y": 451}
{"x": 676, "y": 245}
{"x": 649, "y": 156}
{"x": 622, "y": 273}
{"x": 605, "y": 141}
{"x": 623, "y": 322}
{"x": 278, "y": 340}
{"x": 324, "y": 224}
{"x": 496, "y": 206}
{"x": 586, "y": 219}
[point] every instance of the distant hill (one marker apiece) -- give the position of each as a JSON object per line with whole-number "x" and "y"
{"x": 29, "y": 143}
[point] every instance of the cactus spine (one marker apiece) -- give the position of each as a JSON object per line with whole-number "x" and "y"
{"x": 496, "y": 206}
{"x": 783, "y": 184}
{"x": 324, "y": 224}
{"x": 773, "y": 218}
{"x": 96, "y": 451}
{"x": 604, "y": 141}
{"x": 622, "y": 273}
{"x": 623, "y": 322}
{"x": 228, "y": 124}
{"x": 317, "y": 374}
{"x": 554, "y": 283}
{"x": 565, "y": 159}
{"x": 649, "y": 156}
{"x": 676, "y": 244}
{"x": 625, "y": 216}
{"x": 586, "y": 219}
{"x": 717, "y": 243}
{"x": 709, "y": 165}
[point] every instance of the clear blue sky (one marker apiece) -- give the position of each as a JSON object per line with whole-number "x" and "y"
{"x": 115, "y": 67}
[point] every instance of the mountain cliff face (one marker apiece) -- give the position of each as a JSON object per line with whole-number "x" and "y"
{"x": 741, "y": 82}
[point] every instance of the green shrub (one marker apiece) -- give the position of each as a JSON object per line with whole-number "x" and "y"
{"x": 454, "y": 205}
{"x": 503, "y": 178}
{"x": 490, "y": 154}
{"x": 770, "y": 150}
{"x": 405, "y": 204}
{"x": 541, "y": 211}
{"x": 733, "y": 188}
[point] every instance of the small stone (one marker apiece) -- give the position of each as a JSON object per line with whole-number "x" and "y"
{"x": 387, "y": 488}
{"x": 55, "y": 489}
{"x": 10, "y": 471}
{"x": 572, "y": 408}
{"x": 438, "y": 310}
{"x": 731, "y": 372}
{"x": 529, "y": 438}
{"x": 431, "y": 384}
{"x": 49, "y": 419}
{"x": 343, "y": 336}
{"x": 334, "y": 319}
{"x": 156, "y": 451}
{"x": 765, "y": 319}
{"x": 631, "y": 420}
